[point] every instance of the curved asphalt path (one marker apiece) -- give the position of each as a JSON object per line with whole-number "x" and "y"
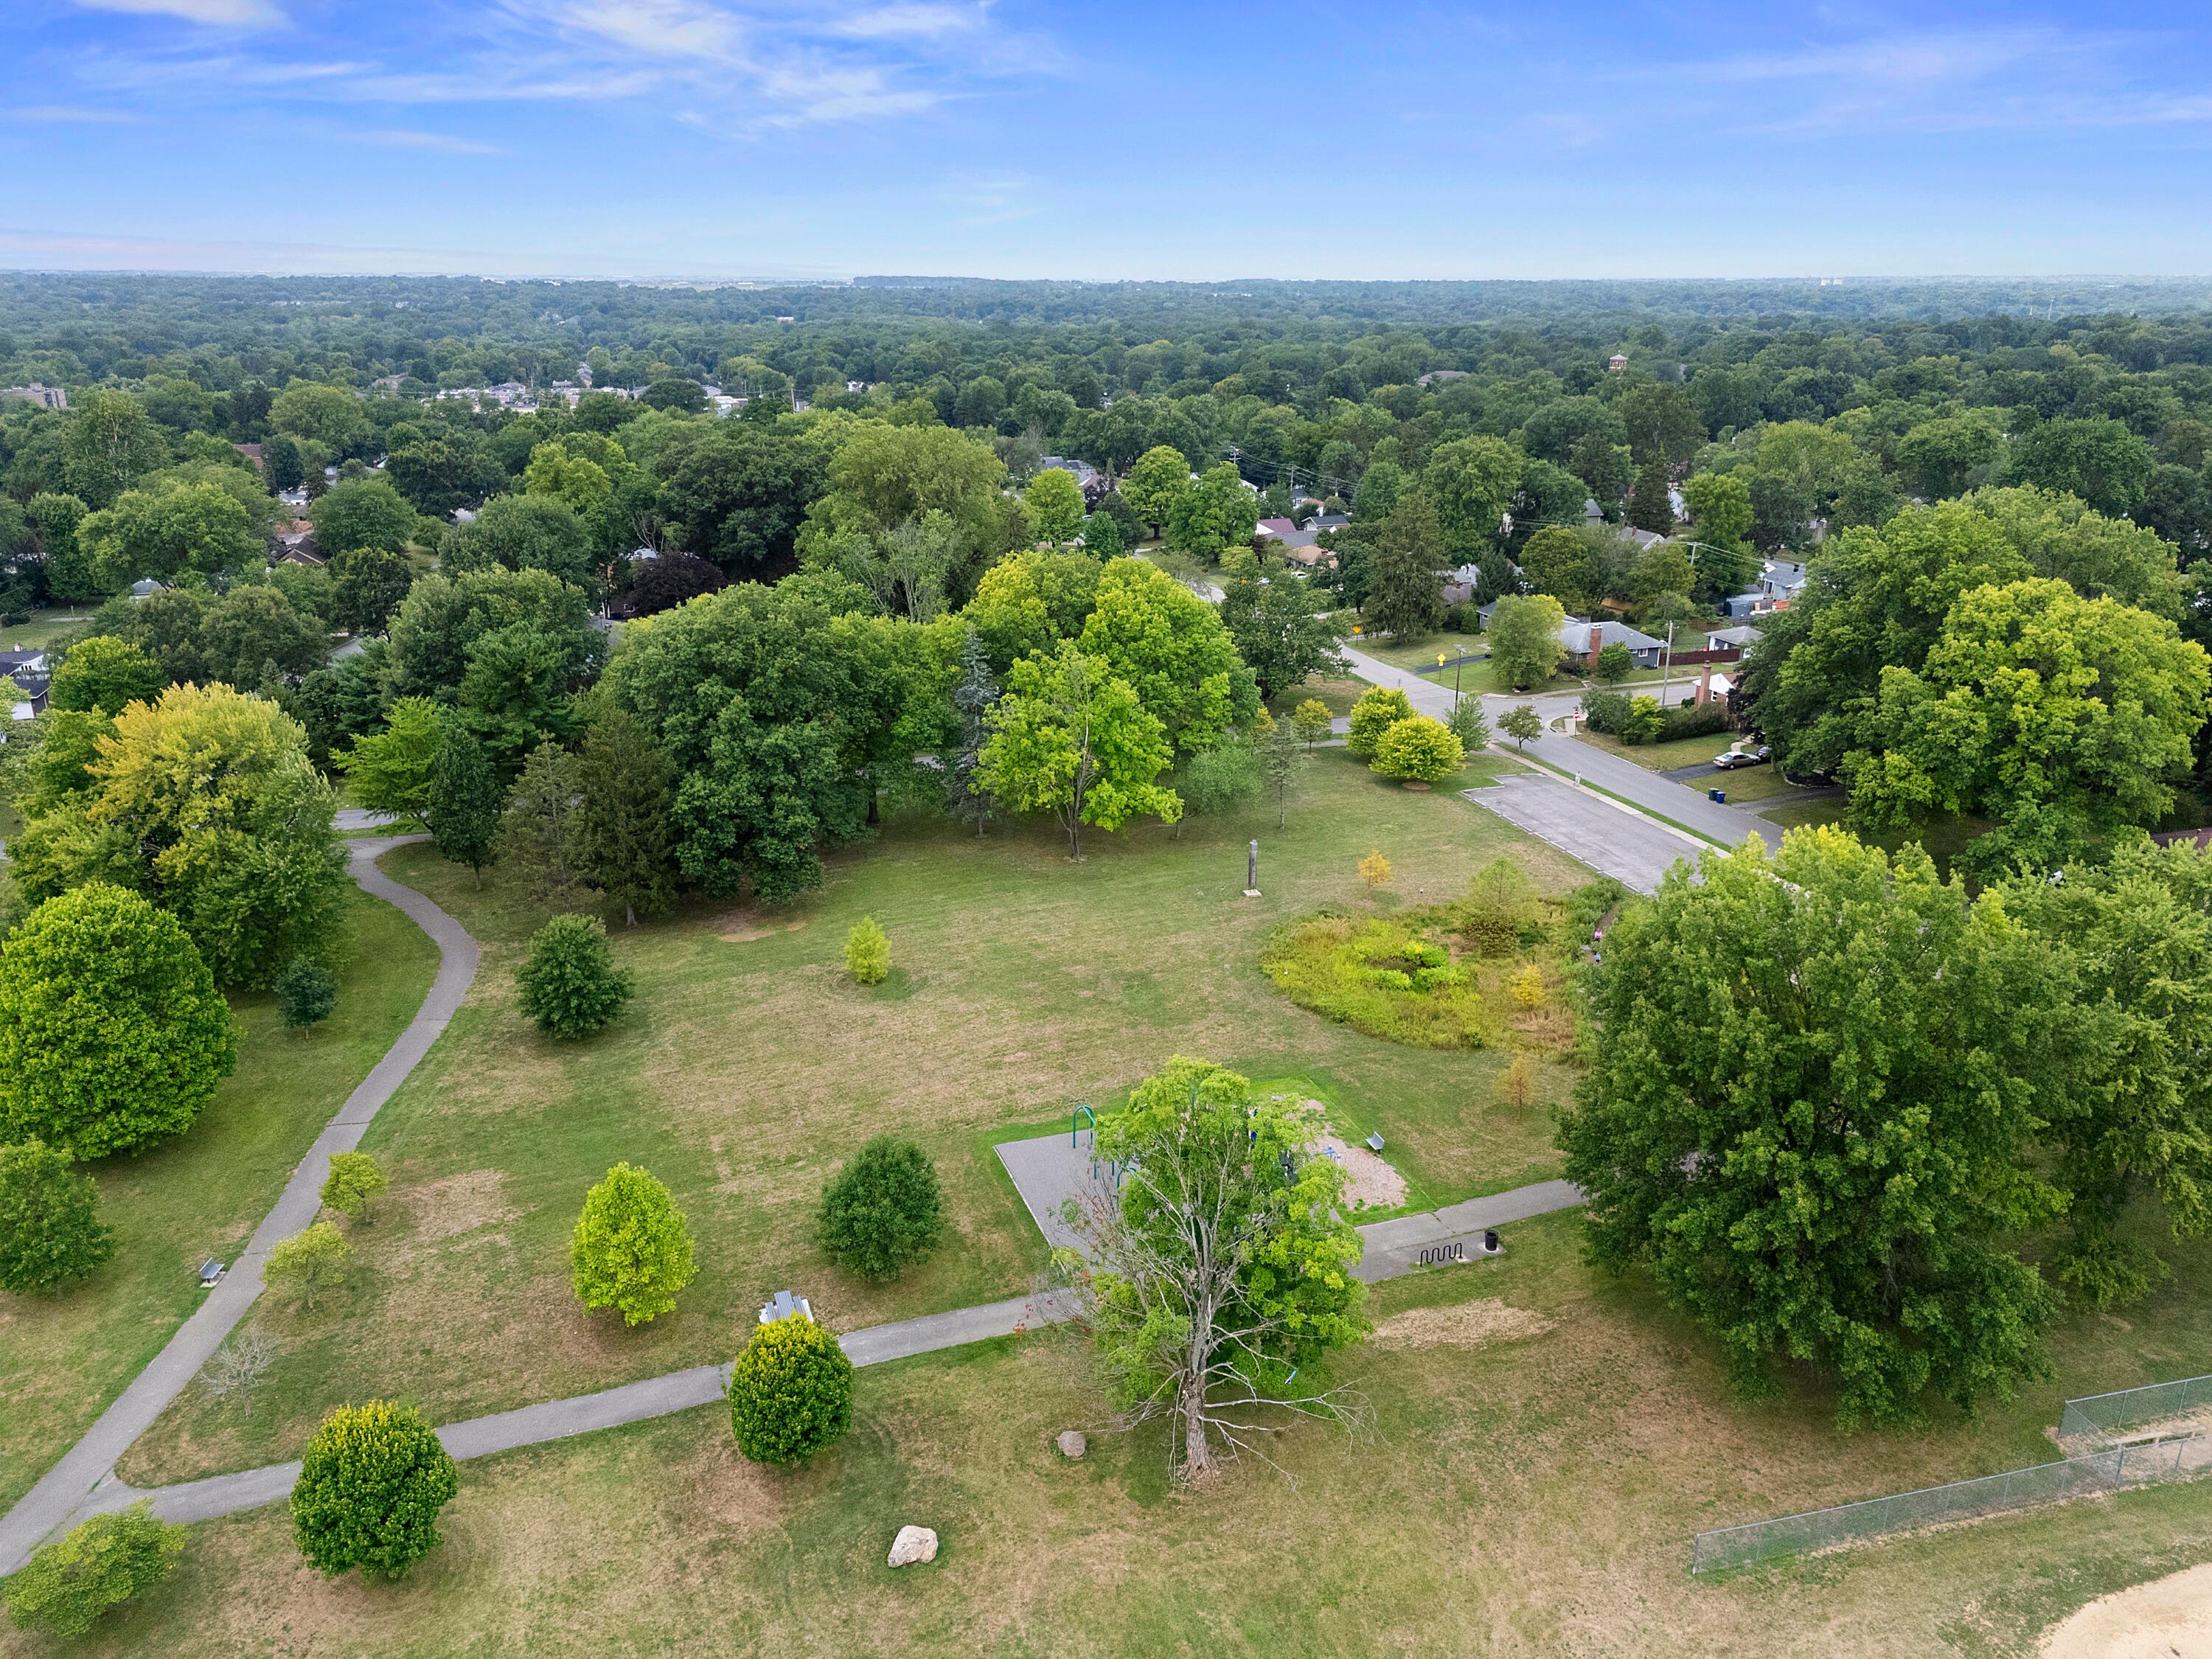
{"x": 84, "y": 1483}
{"x": 89, "y": 1467}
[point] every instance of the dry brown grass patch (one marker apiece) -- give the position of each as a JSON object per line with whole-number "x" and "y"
{"x": 1459, "y": 1325}
{"x": 458, "y": 1204}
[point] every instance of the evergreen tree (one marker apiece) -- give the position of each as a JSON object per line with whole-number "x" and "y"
{"x": 466, "y": 801}
{"x": 627, "y": 788}
{"x": 1649, "y": 507}
{"x": 541, "y": 831}
{"x": 971, "y": 803}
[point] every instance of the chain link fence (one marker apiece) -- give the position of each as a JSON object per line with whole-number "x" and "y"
{"x": 2101, "y": 1417}
{"x": 2148, "y": 1457}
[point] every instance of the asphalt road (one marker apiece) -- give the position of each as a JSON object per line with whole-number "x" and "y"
{"x": 1614, "y": 840}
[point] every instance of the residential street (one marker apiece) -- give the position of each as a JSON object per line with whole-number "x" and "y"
{"x": 1650, "y": 790}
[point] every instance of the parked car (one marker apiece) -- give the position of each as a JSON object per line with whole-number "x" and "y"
{"x": 1745, "y": 754}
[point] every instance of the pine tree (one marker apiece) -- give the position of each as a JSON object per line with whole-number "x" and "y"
{"x": 540, "y": 833}
{"x": 1649, "y": 507}
{"x": 628, "y": 789}
{"x": 971, "y": 698}
{"x": 465, "y": 798}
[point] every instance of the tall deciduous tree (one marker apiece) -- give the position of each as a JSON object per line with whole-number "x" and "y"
{"x": 1172, "y": 650}
{"x": 1071, "y": 738}
{"x": 361, "y": 513}
{"x": 1815, "y": 1080}
{"x": 1055, "y": 503}
{"x": 1273, "y": 626}
{"x": 2056, "y": 717}
{"x": 2132, "y": 940}
{"x": 1220, "y": 1275}
{"x": 109, "y": 444}
{"x": 389, "y": 770}
{"x": 1159, "y": 479}
{"x": 206, "y": 802}
{"x": 1214, "y": 514}
{"x": 971, "y": 701}
{"x": 1525, "y": 647}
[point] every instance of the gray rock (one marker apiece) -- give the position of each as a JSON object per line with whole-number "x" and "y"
{"x": 912, "y": 1545}
{"x": 1071, "y": 1443}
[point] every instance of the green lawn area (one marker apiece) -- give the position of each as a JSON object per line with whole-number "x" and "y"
{"x": 64, "y": 1357}
{"x": 749, "y": 1068}
{"x": 44, "y": 628}
{"x": 1544, "y": 1441}
{"x": 1661, "y": 757}
{"x": 1419, "y": 656}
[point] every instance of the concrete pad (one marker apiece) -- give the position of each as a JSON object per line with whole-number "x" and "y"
{"x": 1049, "y": 1171}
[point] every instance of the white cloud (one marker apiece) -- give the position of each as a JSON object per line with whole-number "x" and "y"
{"x": 413, "y": 138}
{"x": 73, "y": 113}
{"x": 215, "y": 14}
{"x": 909, "y": 20}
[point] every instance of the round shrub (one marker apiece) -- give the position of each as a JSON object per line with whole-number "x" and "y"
{"x": 50, "y": 1228}
{"x": 1420, "y": 750}
{"x": 305, "y": 993}
{"x": 882, "y": 1210}
{"x": 1644, "y": 722}
{"x": 369, "y": 1491}
{"x": 867, "y": 952}
{"x": 102, "y": 1564}
{"x": 632, "y": 1247}
{"x": 791, "y": 1392}
{"x": 111, "y": 1033}
{"x": 570, "y": 985}
{"x": 1378, "y": 709}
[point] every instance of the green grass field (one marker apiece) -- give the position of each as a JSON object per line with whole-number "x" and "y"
{"x": 43, "y": 628}
{"x": 1542, "y": 1444}
{"x": 64, "y": 1357}
{"x": 749, "y": 1067}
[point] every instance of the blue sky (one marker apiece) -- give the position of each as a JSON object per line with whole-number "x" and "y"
{"x": 780, "y": 138}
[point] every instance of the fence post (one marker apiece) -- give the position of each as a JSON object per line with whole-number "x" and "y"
{"x": 2120, "y": 1467}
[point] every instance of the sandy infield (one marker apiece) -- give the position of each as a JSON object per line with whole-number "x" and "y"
{"x": 2169, "y": 1618}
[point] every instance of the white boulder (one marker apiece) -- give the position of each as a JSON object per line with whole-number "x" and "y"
{"x": 912, "y": 1545}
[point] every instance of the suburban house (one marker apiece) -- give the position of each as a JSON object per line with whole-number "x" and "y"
{"x": 1779, "y": 583}
{"x": 1299, "y": 546}
{"x": 1584, "y": 640}
{"x": 252, "y": 452}
{"x": 1436, "y": 374}
{"x": 145, "y": 588}
{"x": 1738, "y": 638}
{"x": 295, "y": 544}
{"x": 33, "y": 678}
{"x": 46, "y": 397}
{"x": 1087, "y": 477}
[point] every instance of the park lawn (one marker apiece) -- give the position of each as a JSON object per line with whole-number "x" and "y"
{"x": 1751, "y": 783}
{"x": 63, "y": 1359}
{"x": 1543, "y": 1442}
{"x": 41, "y": 629}
{"x": 1336, "y": 695}
{"x": 1420, "y": 655}
{"x": 749, "y": 1068}
{"x": 1661, "y": 757}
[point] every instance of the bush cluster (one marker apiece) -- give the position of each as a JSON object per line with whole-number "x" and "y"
{"x": 882, "y": 1210}
{"x": 102, "y": 1564}
{"x": 1381, "y": 976}
{"x": 570, "y": 985}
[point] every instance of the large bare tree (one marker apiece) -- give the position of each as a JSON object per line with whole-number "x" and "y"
{"x": 1220, "y": 1272}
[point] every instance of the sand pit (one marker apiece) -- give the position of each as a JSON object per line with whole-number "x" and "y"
{"x": 2169, "y": 1618}
{"x": 1368, "y": 1179}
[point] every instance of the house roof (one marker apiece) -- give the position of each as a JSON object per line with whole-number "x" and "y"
{"x": 1279, "y": 528}
{"x": 1575, "y": 635}
{"x": 1785, "y": 573}
{"x": 1738, "y": 636}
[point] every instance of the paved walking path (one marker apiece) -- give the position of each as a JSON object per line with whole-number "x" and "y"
{"x": 84, "y": 1481}
{"x": 1392, "y": 1250}
{"x": 1648, "y": 790}
{"x": 90, "y": 1463}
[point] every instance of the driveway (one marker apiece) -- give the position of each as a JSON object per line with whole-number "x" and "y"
{"x": 1610, "y": 838}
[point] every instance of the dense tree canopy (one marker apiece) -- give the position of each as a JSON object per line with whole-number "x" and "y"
{"x": 1815, "y": 1080}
